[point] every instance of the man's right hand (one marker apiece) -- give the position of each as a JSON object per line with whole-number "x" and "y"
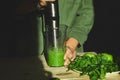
{"x": 26, "y": 6}
{"x": 44, "y": 2}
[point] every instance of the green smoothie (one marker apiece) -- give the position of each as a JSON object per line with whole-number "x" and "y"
{"x": 55, "y": 57}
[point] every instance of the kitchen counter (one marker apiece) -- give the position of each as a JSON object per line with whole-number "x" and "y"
{"x": 63, "y": 74}
{"x": 36, "y": 68}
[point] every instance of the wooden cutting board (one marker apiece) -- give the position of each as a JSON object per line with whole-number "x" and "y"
{"x": 63, "y": 74}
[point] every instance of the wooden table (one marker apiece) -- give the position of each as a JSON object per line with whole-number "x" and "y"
{"x": 62, "y": 74}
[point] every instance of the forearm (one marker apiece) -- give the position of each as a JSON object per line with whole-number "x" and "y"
{"x": 83, "y": 22}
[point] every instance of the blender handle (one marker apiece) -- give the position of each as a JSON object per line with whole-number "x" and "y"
{"x": 52, "y": 22}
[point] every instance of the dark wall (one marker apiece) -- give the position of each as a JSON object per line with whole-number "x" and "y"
{"x": 104, "y": 36}
{"x": 18, "y": 33}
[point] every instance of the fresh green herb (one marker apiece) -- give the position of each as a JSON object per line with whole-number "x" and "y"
{"x": 94, "y": 65}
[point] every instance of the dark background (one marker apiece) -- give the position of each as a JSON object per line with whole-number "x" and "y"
{"x": 104, "y": 36}
{"x": 18, "y": 35}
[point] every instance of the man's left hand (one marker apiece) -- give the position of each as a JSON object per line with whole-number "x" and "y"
{"x": 70, "y": 54}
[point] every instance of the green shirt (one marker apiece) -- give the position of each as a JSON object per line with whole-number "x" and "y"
{"x": 78, "y": 16}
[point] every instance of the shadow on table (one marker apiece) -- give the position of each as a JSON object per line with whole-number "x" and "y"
{"x": 23, "y": 68}
{"x": 19, "y": 48}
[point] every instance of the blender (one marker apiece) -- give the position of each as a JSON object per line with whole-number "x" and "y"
{"x": 54, "y": 36}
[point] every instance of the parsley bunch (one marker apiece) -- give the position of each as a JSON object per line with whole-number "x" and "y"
{"x": 96, "y": 66}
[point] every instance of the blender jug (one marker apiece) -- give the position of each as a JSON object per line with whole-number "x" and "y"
{"x": 54, "y": 36}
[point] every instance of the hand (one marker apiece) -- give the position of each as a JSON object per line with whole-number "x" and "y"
{"x": 44, "y": 2}
{"x": 70, "y": 54}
